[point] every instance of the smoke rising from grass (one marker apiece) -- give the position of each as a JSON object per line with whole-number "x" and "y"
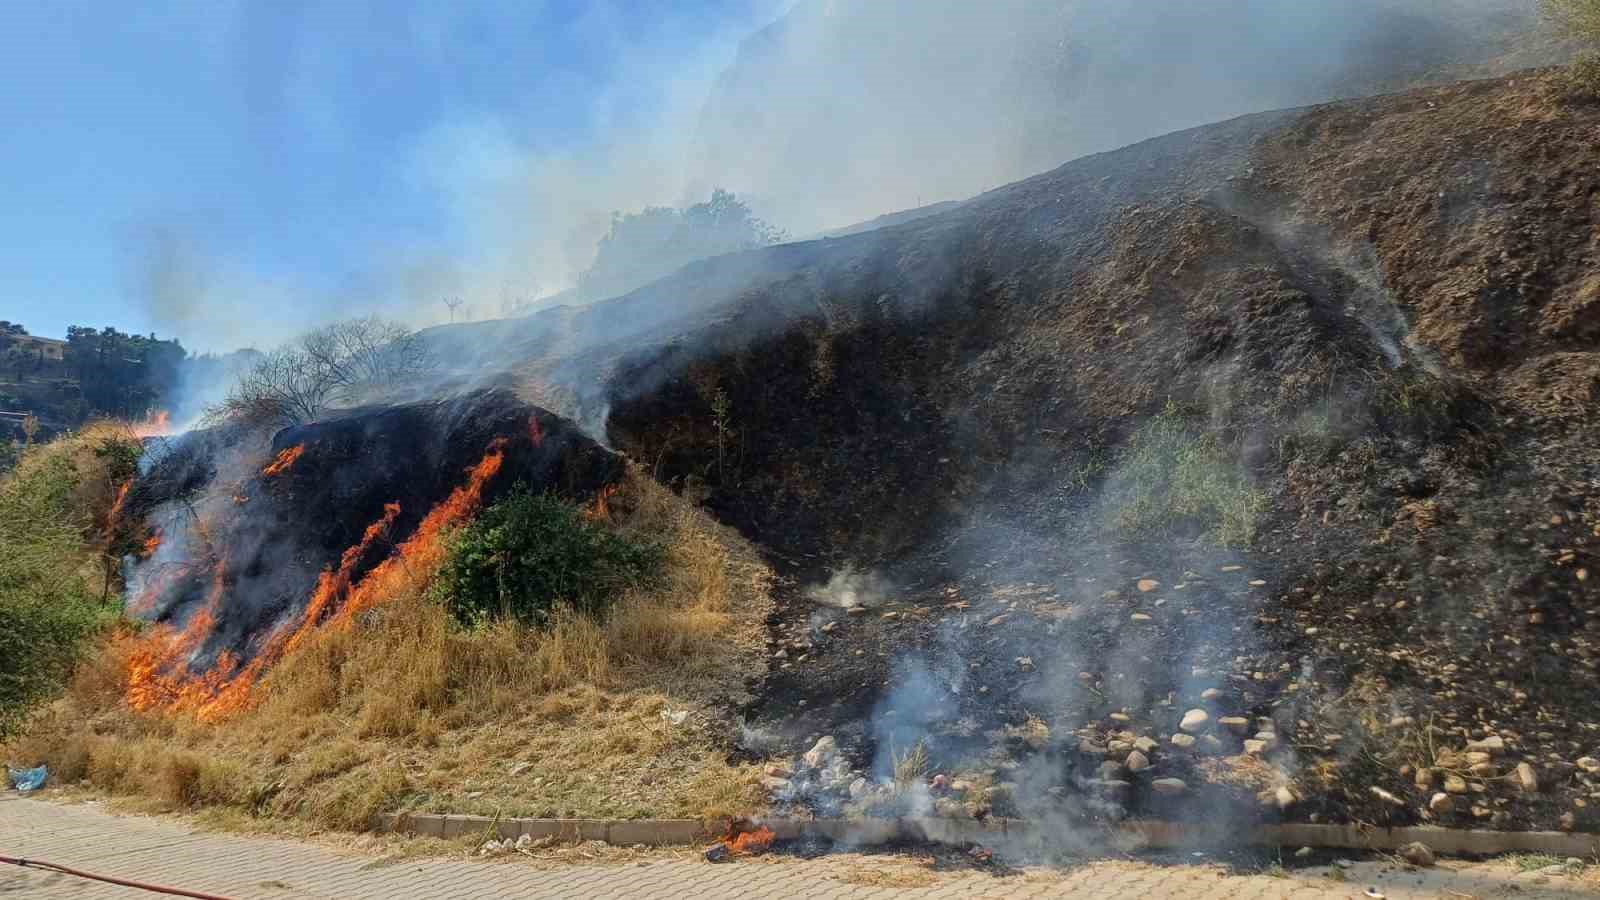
{"x": 849, "y": 588}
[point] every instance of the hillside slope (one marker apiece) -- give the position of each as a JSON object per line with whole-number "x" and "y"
{"x": 1286, "y": 418}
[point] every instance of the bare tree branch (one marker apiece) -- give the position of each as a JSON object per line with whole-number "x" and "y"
{"x": 338, "y": 365}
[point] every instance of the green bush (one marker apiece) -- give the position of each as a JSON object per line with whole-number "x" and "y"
{"x": 1581, "y": 80}
{"x": 47, "y": 606}
{"x": 1579, "y": 18}
{"x": 530, "y": 552}
{"x": 1174, "y": 476}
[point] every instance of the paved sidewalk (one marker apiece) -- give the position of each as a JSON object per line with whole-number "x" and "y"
{"x": 87, "y": 838}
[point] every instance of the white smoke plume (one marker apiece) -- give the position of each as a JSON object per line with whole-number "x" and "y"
{"x": 833, "y": 113}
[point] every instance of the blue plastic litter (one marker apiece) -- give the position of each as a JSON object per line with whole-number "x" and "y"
{"x": 25, "y": 780}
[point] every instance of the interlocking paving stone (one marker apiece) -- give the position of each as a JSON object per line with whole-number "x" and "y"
{"x": 247, "y": 868}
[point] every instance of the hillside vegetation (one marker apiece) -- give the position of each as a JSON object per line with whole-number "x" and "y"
{"x": 612, "y": 716}
{"x": 1321, "y": 377}
{"x": 1246, "y": 473}
{"x": 58, "y": 542}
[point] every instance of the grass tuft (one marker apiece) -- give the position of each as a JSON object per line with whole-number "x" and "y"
{"x": 1174, "y": 476}
{"x": 910, "y": 767}
{"x": 1532, "y": 862}
{"x": 1580, "y": 81}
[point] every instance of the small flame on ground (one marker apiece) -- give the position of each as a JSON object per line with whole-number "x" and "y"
{"x": 226, "y": 689}
{"x": 117, "y": 502}
{"x": 600, "y": 510}
{"x": 334, "y": 584}
{"x": 152, "y": 544}
{"x": 281, "y": 463}
{"x": 750, "y": 843}
{"x": 155, "y": 425}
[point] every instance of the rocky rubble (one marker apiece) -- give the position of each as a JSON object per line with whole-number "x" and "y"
{"x": 1390, "y": 336}
{"x": 1238, "y": 733}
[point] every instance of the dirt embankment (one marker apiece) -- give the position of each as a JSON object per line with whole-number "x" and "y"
{"x": 1349, "y": 349}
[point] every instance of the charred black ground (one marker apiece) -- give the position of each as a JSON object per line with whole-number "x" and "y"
{"x": 1380, "y": 316}
{"x": 271, "y": 535}
{"x": 1247, "y": 472}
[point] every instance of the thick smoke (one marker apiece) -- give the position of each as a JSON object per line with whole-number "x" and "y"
{"x": 842, "y": 111}
{"x": 832, "y": 114}
{"x": 839, "y": 112}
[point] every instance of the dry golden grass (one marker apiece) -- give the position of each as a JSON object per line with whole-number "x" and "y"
{"x": 409, "y": 710}
{"x": 893, "y": 876}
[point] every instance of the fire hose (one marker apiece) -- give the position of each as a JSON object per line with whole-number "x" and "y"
{"x": 123, "y": 882}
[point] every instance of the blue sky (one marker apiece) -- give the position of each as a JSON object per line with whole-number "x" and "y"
{"x": 224, "y": 170}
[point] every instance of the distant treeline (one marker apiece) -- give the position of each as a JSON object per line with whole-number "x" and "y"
{"x": 95, "y": 372}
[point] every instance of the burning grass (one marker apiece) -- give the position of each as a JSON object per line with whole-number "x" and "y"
{"x": 620, "y": 717}
{"x": 284, "y": 461}
{"x": 159, "y": 678}
{"x": 753, "y": 842}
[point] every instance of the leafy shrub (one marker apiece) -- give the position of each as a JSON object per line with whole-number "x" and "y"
{"x": 529, "y": 553}
{"x": 40, "y": 641}
{"x": 1581, "y": 80}
{"x": 119, "y": 454}
{"x": 47, "y": 607}
{"x": 1579, "y": 18}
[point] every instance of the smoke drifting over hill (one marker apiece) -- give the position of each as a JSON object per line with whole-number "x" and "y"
{"x": 834, "y": 113}
{"x": 841, "y": 111}
{"x": 838, "y": 112}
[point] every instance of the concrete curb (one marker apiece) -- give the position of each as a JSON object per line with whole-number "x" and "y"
{"x": 1129, "y": 836}
{"x": 625, "y": 832}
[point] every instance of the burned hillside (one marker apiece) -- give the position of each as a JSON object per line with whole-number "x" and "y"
{"x": 251, "y": 548}
{"x": 1282, "y": 421}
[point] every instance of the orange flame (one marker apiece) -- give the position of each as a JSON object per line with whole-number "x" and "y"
{"x": 149, "y": 684}
{"x": 116, "y": 503}
{"x": 227, "y": 689}
{"x": 218, "y": 696}
{"x": 155, "y": 425}
{"x": 281, "y": 463}
{"x": 752, "y": 843}
{"x": 152, "y": 544}
{"x": 600, "y": 510}
{"x": 424, "y": 550}
{"x": 333, "y": 585}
